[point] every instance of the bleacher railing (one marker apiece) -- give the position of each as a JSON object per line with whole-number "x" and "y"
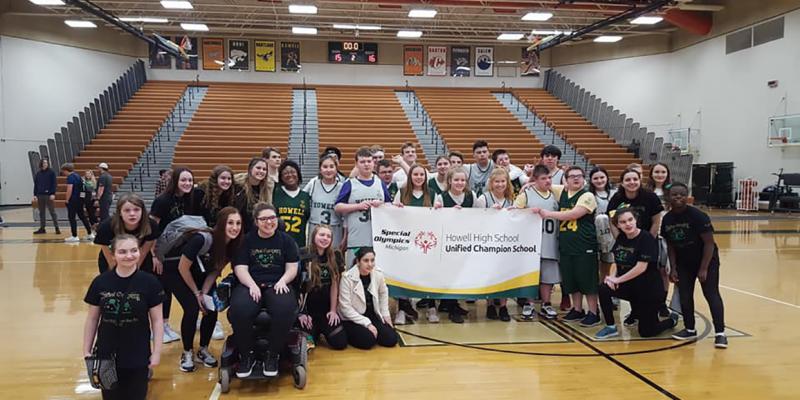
{"x": 71, "y": 139}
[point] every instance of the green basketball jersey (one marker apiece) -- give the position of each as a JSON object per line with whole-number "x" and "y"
{"x": 448, "y": 202}
{"x": 576, "y": 236}
{"x": 393, "y": 189}
{"x": 294, "y": 211}
{"x": 434, "y": 188}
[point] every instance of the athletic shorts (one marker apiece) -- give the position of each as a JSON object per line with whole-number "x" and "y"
{"x": 338, "y": 234}
{"x": 579, "y": 273}
{"x": 549, "y": 273}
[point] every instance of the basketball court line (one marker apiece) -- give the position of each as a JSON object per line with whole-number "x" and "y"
{"x": 760, "y": 296}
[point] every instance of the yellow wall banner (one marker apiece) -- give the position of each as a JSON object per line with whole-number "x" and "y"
{"x": 265, "y": 55}
{"x": 452, "y": 253}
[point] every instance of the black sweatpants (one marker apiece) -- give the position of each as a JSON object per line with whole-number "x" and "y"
{"x": 687, "y": 276}
{"x": 105, "y": 207}
{"x": 361, "y": 338}
{"x": 644, "y": 305}
{"x": 191, "y": 310}
{"x": 243, "y": 311}
{"x": 131, "y": 385}
{"x": 75, "y": 209}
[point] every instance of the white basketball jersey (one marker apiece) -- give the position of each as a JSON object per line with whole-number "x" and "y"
{"x": 323, "y": 199}
{"x": 478, "y": 177}
{"x": 359, "y": 223}
{"x": 549, "y": 225}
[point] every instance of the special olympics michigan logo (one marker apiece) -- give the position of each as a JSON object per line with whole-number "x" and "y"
{"x": 426, "y": 241}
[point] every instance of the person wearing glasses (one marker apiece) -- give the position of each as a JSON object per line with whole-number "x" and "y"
{"x": 577, "y": 244}
{"x": 265, "y": 265}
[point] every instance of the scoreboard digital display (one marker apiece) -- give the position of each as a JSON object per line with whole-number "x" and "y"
{"x": 352, "y": 53}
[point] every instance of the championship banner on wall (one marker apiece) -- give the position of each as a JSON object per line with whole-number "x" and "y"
{"x": 413, "y": 60}
{"x": 459, "y": 61}
{"x": 265, "y": 55}
{"x": 437, "y": 60}
{"x": 213, "y": 54}
{"x": 450, "y": 253}
{"x": 530, "y": 65}
{"x": 159, "y": 58}
{"x": 189, "y": 45}
{"x": 290, "y": 56}
{"x": 239, "y": 54}
{"x": 484, "y": 61}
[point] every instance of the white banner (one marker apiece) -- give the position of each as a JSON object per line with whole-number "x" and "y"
{"x": 437, "y": 60}
{"x": 484, "y": 61}
{"x": 452, "y": 253}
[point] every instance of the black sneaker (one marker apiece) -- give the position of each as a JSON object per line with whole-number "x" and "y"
{"x": 504, "y": 314}
{"x": 574, "y": 316}
{"x": 630, "y": 320}
{"x": 245, "y": 367}
{"x": 721, "y": 342}
{"x": 664, "y": 311}
{"x": 456, "y": 318}
{"x": 39, "y": 232}
{"x": 491, "y": 312}
{"x": 591, "y": 319}
{"x": 271, "y": 365}
{"x": 457, "y": 308}
{"x": 685, "y": 335}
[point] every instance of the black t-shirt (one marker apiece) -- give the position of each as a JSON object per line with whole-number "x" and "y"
{"x": 365, "y": 281}
{"x": 683, "y": 231}
{"x": 319, "y": 298}
{"x": 105, "y": 235}
{"x": 169, "y": 208}
{"x": 131, "y": 338}
{"x": 191, "y": 250}
{"x": 209, "y": 213}
{"x": 266, "y": 258}
{"x": 646, "y": 204}
{"x": 628, "y": 252}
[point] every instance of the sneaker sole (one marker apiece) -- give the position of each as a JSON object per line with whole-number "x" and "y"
{"x": 270, "y": 373}
{"x": 186, "y": 370}
{"x": 589, "y": 325}
{"x": 243, "y": 375}
{"x": 684, "y": 338}
{"x": 205, "y": 364}
{"x": 607, "y": 336}
{"x": 721, "y": 346}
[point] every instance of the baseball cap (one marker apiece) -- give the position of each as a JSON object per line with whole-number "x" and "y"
{"x": 102, "y": 165}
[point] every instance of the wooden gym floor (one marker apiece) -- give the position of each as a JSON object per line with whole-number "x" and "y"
{"x": 41, "y": 319}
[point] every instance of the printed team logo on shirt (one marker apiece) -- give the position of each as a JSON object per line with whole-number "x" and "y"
{"x": 426, "y": 241}
{"x": 265, "y": 257}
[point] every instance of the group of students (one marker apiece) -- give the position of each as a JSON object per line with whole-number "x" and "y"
{"x": 257, "y": 222}
{"x": 88, "y": 198}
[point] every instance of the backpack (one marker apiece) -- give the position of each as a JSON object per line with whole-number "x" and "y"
{"x": 177, "y": 233}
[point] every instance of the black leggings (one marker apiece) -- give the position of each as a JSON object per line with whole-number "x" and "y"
{"x": 76, "y": 209}
{"x": 243, "y": 311}
{"x": 91, "y": 211}
{"x": 687, "y": 276}
{"x": 191, "y": 309}
{"x": 644, "y": 305}
{"x": 169, "y": 273}
{"x": 334, "y": 335}
{"x": 131, "y": 385}
{"x": 361, "y": 338}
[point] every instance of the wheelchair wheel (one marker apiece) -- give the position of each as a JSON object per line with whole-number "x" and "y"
{"x": 303, "y": 349}
{"x": 299, "y": 375}
{"x": 225, "y": 379}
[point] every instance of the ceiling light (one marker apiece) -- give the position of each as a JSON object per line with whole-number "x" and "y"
{"x": 302, "y": 9}
{"x": 537, "y": 16}
{"x": 409, "y": 34}
{"x": 194, "y": 27}
{"x": 607, "y": 39}
{"x": 147, "y": 20}
{"x": 177, "y": 4}
{"x": 644, "y": 20}
{"x": 301, "y": 30}
{"x": 510, "y": 36}
{"x": 549, "y": 32}
{"x": 421, "y": 13}
{"x": 80, "y": 24}
{"x": 47, "y": 2}
{"x": 357, "y": 27}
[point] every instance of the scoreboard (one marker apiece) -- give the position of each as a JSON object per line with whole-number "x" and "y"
{"x": 352, "y": 53}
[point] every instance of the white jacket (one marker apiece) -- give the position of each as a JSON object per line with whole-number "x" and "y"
{"x": 353, "y": 302}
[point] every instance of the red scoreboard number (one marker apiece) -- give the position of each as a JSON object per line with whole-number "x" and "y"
{"x": 352, "y": 53}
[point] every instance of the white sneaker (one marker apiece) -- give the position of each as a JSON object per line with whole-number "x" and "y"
{"x": 71, "y": 239}
{"x": 433, "y": 315}
{"x": 206, "y": 358}
{"x": 549, "y": 312}
{"x": 89, "y": 237}
{"x": 400, "y": 318}
{"x": 219, "y": 333}
{"x": 169, "y": 334}
{"x": 527, "y": 311}
{"x": 187, "y": 362}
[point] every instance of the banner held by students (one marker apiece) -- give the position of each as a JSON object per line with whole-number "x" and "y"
{"x": 451, "y": 253}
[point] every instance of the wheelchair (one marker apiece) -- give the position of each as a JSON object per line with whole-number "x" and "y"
{"x": 295, "y": 354}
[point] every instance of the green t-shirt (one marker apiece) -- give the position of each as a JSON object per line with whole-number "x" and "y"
{"x": 294, "y": 211}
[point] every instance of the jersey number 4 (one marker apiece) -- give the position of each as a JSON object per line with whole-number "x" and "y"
{"x": 571, "y": 225}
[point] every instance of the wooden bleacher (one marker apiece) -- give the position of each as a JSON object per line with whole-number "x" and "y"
{"x": 591, "y": 142}
{"x": 126, "y": 137}
{"x": 463, "y": 116}
{"x": 351, "y": 117}
{"x": 233, "y": 123}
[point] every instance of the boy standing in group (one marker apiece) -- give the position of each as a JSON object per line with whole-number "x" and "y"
{"x": 478, "y": 172}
